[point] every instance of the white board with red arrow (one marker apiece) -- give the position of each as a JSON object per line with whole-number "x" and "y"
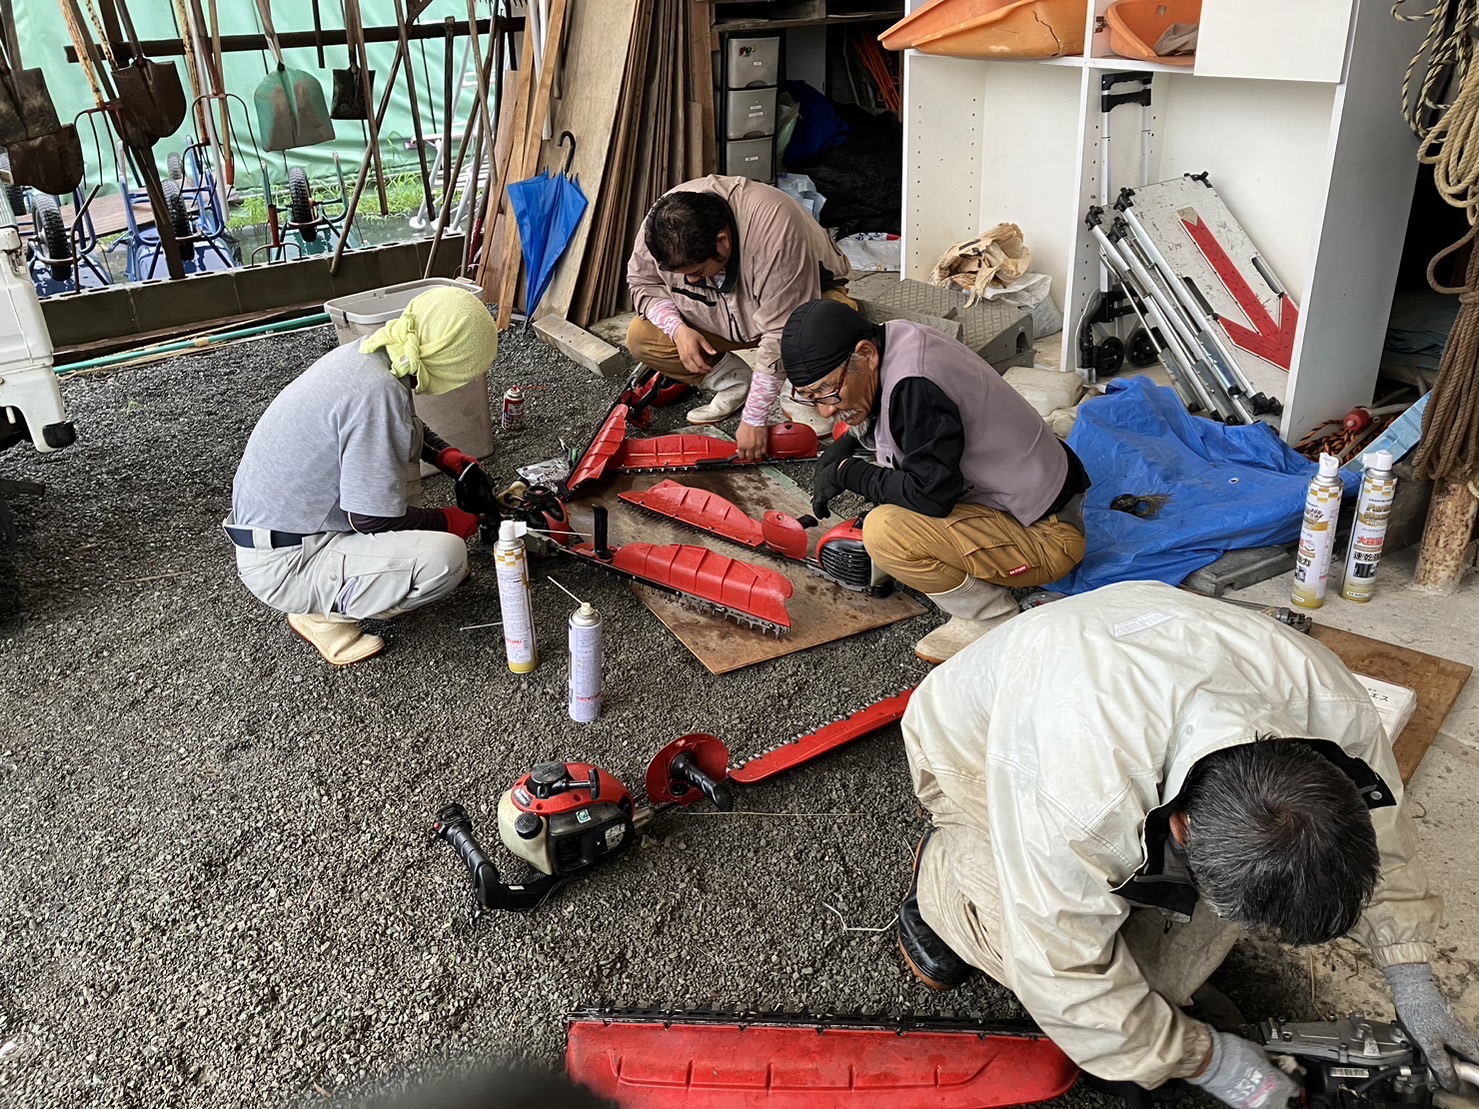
{"x": 1206, "y": 247}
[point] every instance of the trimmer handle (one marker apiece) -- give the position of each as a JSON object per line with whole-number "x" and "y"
{"x": 685, "y": 768}
{"x": 455, "y": 826}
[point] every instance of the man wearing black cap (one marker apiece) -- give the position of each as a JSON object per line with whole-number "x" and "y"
{"x": 975, "y": 495}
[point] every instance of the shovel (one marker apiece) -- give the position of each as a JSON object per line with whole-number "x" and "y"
{"x": 353, "y": 88}
{"x": 26, "y": 109}
{"x": 43, "y": 153}
{"x": 151, "y": 100}
{"x": 290, "y": 103}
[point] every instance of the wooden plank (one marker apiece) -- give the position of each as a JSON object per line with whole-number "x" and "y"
{"x": 821, "y": 611}
{"x": 498, "y": 193}
{"x": 599, "y": 35}
{"x": 580, "y": 346}
{"x": 1436, "y": 681}
{"x": 528, "y": 164}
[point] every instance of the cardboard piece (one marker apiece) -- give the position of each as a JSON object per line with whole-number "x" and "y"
{"x": 1436, "y": 681}
{"x": 820, "y": 610}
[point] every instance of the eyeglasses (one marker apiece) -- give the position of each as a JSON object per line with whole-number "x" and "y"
{"x": 832, "y": 398}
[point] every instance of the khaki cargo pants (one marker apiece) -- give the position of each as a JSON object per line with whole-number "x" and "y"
{"x": 649, "y": 345}
{"x": 960, "y": 898}
{"x": 936, "y": 554}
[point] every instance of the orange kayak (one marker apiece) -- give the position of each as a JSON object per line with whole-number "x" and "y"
{"x": 992, "y": 28}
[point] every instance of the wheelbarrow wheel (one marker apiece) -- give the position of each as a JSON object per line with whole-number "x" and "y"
{"x": 15, "y": 195}
{"x": 176, "y": 167}
{"x": 54, "y": 238}
{"x": 300, "y": 202}
{"x": 179, "y": 218}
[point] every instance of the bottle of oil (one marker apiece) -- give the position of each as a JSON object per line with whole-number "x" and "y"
{"x": 514, "y": 600}
{"x": 1378, "y": 487}
{"x": 1317, "y": 536}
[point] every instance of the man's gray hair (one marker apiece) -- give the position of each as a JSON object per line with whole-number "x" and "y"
{"x": 1280, "y": 840}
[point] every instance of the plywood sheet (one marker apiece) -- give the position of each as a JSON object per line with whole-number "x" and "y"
{"x": 820, "y": 611}
{"x": 1436, "y": 681}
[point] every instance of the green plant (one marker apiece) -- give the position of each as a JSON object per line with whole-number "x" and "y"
{"x": 403, "y": 192}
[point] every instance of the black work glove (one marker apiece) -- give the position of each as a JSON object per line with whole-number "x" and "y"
{"x": 827, "y": 480}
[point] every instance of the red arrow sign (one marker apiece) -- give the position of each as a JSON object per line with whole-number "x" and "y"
{"x": 1272, "y": 341}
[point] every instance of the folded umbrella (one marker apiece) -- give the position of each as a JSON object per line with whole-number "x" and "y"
{"x": 548, "y": 210}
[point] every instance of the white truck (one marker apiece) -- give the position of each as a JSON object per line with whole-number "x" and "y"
{"x": 31, "y": 407}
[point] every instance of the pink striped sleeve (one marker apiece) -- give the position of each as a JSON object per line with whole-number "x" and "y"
{"x": 664, "y": 314}
{"x": 764, "y": 388}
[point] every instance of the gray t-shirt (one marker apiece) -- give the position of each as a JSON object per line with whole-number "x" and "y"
{"x": 338, "y": 439}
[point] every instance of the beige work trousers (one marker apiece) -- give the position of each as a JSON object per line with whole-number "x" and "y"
{"x": 650, "y": 345}
{"x": 936, "y": 554}
{"x": 1176, "y": 959}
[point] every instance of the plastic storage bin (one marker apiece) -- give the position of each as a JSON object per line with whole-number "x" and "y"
{"x": 749, "y": 113}
{"x": 753, "y": 158}
{"x": 753, "y": 62}
{"x": 463, "y": 417}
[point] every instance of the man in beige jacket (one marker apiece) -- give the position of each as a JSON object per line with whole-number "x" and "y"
{"x": 719, "y": 265}
{"x": 1119, "y": 783}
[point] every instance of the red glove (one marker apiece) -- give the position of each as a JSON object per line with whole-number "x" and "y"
{"x": 452, "y": 462}
{"x": 464, "y": 525}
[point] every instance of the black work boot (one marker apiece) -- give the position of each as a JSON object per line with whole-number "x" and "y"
{"x": 928, "y": 956}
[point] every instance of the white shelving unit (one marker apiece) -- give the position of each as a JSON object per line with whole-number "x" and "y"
{"x": 1293, "y": 109}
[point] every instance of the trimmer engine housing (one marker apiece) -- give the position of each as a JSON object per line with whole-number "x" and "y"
{"x": 563, "y": 817}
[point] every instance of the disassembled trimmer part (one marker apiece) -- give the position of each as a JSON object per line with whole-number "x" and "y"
{"x": 807, "y": 746}
{"x": 753, "y": 595}
{"x": 610, "y": 451}
{"x": 668, "y": 1060}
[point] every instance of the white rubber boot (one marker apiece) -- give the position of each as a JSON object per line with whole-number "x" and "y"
{"x": 337, "y": 638}
{"x": 974, "y": 607}
{"x": 729, "y": 382}
{"x": 806, "y": 414}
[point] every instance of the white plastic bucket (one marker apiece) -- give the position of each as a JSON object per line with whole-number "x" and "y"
{"x": 463, "y": 417}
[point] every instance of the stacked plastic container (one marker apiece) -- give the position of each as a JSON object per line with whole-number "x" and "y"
{"x": 751, "y": 76}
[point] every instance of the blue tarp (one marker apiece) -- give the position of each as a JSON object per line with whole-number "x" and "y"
{"x": 1225, "y": 488}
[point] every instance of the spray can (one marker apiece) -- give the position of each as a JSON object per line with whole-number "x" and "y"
{"x": 513, "y": 409}
{"x": 1317, "y": 536}
{"x": 585, "y": 664}
{"x": 514, "y": 600}
{"x": 1378, "y": 487}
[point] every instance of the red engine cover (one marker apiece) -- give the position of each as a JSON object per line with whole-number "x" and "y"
{"x": 714, "y": 1066}
{"x": 611, "y": 790}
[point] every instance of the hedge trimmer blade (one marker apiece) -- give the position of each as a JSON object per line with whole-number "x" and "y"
{"x": 672, "y": 453}
{"x": 807, "y": 746}
{"x": 778, "y": 533}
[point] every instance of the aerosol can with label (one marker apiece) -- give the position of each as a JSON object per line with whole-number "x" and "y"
{"x": 1378, "y": 488}
{"x": 513, "y": 409}
{"x": 514, "y": 600}
{"x": 586, "y": 660}
{"x": 1317, "y": 537}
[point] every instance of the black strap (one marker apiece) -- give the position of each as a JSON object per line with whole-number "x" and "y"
{"x": 242, "y": 537}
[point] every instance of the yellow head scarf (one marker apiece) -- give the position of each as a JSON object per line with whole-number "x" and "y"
{"x": 445, "y": 337}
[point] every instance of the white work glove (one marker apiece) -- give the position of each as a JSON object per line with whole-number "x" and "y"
{"x": 1241, "y": 1075}
{"x": 1430, "y": 1020}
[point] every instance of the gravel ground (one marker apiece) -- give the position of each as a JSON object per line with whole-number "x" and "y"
{"x": 217, "y": 886}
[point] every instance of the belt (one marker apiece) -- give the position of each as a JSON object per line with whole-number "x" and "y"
{"x": 242, "y": 537}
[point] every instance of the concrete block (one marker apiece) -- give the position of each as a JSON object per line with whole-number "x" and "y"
{"x": 300, "y": 281}
{"x": 1240, "y": 569}
{"x": 162, "y": 305}
{"x": 90, "y": 316}
{"x": 580, "y": 346}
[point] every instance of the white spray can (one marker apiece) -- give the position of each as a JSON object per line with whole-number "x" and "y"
{"x": 1378, "y": 488}
{"x": 1317, "y": 536}
{"x": 586, "y": 663}
{"x": 514, "y": 599}
{"x": 586, "y": 660}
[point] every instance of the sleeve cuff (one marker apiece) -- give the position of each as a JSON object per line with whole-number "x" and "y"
{"x": 1393, "y": 953}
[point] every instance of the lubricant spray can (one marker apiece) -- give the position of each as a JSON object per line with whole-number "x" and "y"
{"x": 514, "y": 600}
{"x": 1317, "y": 536}
{"x": 513, "y": 409}
{"x": 585, "y": 664}
{"x": 1378, "y": 487}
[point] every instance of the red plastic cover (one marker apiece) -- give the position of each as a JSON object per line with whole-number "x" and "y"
{"x": 698, "y": 508}
{"x": 708, "y": 751}
{"x": 785, "y": 442}
{"x": 702, "y": 573}
{"x": 713, "y": 1066}
{"x": 604, "y": 446}
{"x": 784, "y": 535}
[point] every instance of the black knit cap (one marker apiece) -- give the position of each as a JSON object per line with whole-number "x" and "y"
{"x": 818, "y": 338}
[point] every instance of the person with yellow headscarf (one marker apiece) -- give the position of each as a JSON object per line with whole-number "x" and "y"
{"x": 319, "y": 512}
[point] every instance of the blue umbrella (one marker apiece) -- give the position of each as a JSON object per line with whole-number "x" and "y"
{"x": 548, "y": 209}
